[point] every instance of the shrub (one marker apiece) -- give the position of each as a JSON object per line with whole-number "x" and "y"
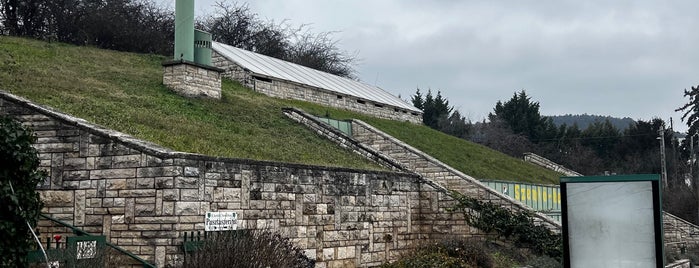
{"x": 448, "y": 253}
{"x": 247, "y": 248}
{"x": 515, "y": 226}
{"x": 427, "y": 257}
{"x": 544, "y": 262}
{"x": 19, "y": 202}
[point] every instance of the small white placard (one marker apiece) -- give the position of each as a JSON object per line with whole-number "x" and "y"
{"x": 86, "y": 249}
{"x": 221, "y": 221}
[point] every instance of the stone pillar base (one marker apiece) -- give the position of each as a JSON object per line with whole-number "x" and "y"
{"x": 192, "y": 79}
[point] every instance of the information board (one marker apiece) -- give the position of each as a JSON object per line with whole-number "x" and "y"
{"x": 612, "y": 221}
{"x": 221, "y": 221}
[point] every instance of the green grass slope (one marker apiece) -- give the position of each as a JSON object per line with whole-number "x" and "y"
{"x": 124, "y": 91}
{"x": 470, "y": 158}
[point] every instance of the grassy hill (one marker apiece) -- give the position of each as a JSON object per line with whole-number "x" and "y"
{"x": 124, "y": 91}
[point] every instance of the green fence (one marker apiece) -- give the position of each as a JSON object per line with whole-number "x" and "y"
{"x": 343, "y": 126}
{"x": 542, "y": 198}
{"x": 82, "y": 250}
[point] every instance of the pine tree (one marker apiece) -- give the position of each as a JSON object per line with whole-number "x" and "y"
{"x": 691, "y": 110}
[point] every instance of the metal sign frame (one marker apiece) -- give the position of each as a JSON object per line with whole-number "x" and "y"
{"x": 654, "y": 179}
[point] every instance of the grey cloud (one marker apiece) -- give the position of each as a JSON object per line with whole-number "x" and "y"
{"x": 620, "y": 58}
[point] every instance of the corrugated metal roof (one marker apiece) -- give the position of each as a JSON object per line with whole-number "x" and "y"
{"x": 276, "y": 68}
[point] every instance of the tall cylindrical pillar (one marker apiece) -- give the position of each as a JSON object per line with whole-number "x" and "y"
{"x": 184, "y": 30}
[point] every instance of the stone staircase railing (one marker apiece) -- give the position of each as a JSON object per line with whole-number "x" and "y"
{"x": 391, "y": 152}
{"x": 416, "y": 161}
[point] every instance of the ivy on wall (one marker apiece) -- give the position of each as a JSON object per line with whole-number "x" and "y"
{"x": 516, "y": 226}
{"x": 19, "y": 202}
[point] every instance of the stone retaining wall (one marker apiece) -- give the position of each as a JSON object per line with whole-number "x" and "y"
{"x": 680, "y": 235}
{"x": 291, "y": 90}
{"x": 144, "y": 197}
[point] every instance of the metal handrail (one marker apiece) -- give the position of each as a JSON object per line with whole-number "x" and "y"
{"x": 80, "y": 232}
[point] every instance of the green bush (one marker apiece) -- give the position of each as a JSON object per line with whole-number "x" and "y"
{"x": 19, "y": 201}
{"x": 518, "y": 226}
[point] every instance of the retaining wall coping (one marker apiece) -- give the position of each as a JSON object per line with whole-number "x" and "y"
{"x": 186, "y": 62}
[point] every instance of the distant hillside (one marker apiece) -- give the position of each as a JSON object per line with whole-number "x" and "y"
{"x": 584, "y": 120}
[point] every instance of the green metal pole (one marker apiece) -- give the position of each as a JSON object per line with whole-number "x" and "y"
{"x": 184, "y": 30}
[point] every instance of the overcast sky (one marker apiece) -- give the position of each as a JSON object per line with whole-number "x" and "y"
{"x": 619, "y": 58}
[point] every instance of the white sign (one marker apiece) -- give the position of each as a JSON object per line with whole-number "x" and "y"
{"x": 221, "y": 221}
{"x": 611, "y": 224}
{"x": 86, "y": 249}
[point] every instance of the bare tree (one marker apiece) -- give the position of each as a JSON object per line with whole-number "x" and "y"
{"x": 236, "y": 25}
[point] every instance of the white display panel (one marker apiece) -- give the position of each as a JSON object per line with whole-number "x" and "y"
{"x": 611, "y": 224}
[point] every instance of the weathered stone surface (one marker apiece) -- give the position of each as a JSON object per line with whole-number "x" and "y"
{"x": 164, "y": 182}
{"x": 189, "y": 194}
{"x": 159, "y": 171}
{"x": 57, "y": 198}
{"x": 137, "y": 193}
{"x": 191, "y": 172}
{"x": 115, "y": 184}
{"x": 126, "y": 161}
{"x": 183, "y": 182}
{"x": 192, "y": 81}
{"x": 145, "y": 209}
{"x": 112, "y": 173}
{"x": 187, "y": 208}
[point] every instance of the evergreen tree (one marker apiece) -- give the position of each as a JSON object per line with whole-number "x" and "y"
{"x": 523, "y": 117}
{"x": 691, "y": 110}
{"x": 602, "y": 137}
{"x": 439, "y": 115}
{"x": 417, "y": 100}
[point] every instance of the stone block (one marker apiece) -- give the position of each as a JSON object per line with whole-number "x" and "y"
{"x": 164, "y": 182}
{"x": 328, "y": 254}
{"x": 189, "y": 194}
{"x": 93, "y": 220}
{"x": 57, "y": 198}
{"x": 212, "y": 176}
{"x": 191, "y": 172}
{"x": 171, "y": 194}
{"x": 159, "y": 171}
{"x": 185, "y": 182}
{"x": 168, "y": 208}
{"x": 126, "y": 161}
{"x": 112, "y": 173}
{"x": 137, "y": 193}
{"x": 226, "y": 194}
{"x": 186, "y": 208}
{"x": 145, "y": 200}
{"x": 74, "y": 163}
{"x": 117, "y": 219}
{"x": 191, "y": 219}
{"x": 145, "y": 183}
